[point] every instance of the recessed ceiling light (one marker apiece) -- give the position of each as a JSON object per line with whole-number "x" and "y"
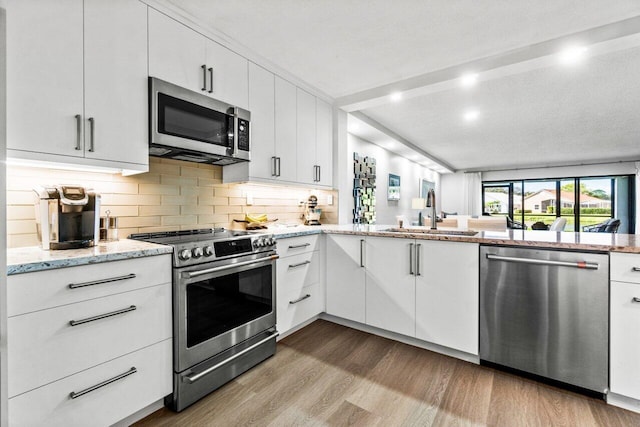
{"x": 572, "y": 55}
{"x": 396, "y": 96}
{"x": 471, "y": 115}
{"x": 469, "y": 80}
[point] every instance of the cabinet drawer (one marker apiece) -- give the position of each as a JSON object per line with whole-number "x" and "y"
{"x": 44, "y": 347}
{"x": 625, "y": 339}
{"x": 623, "y": 265}
{"x": 299, "y": 306}
{"x": 295, "y": 272}
{"x": 45, "y": 289}
{"x": 297, "y": 245}
{"x": 52, "y": 405}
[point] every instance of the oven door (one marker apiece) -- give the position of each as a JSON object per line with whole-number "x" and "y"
{"x": 217, "y": 306}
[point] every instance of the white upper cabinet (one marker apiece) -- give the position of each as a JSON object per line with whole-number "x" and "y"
{"x": 44, "y": 77}
{"x": 186, "y": 58}
{"x": 262, "y": 107}
{"x": 176, "y": 53}
{"x": 116, "y": 81}
{"x": 306, "y": 137}
{"x": 286, "y": 130}
{"x": 228, "y": 75}
{"x": 70, "y": 61}
{"x": 324, "y": 143}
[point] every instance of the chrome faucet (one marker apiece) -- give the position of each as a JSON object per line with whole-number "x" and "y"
{"x": 431, "y": 203}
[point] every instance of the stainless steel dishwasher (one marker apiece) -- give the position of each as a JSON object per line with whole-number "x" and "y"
{"x": 546, "y": 313}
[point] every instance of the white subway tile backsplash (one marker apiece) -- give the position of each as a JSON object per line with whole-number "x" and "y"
{"x": 172, "y": 195}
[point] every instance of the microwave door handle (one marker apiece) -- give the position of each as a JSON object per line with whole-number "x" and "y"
{"x": 234, "y": 141}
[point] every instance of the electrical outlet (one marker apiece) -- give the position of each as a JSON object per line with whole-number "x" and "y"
{"x": 329, "y": 199}
{"x": 249, "y": 199}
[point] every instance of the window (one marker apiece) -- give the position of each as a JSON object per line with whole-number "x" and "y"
{"x": 583, "y": 201}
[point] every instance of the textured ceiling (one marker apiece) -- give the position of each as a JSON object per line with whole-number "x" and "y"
{"x": 544, "y": 116}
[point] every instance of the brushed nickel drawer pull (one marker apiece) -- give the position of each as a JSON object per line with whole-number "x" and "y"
{"x": 635, "y": 299}
{"x": 636, "y": 269}
{"x": 302, "y": 298}
{"x": 300, "y": 264}
{"x": 304, "y": 245}
{"x": 101, "y": 281}
{"x": 102, "y": 316}
{"x": 75, "y": 395}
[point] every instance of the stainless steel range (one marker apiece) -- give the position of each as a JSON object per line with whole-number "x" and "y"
{"x": 223, "y": 307}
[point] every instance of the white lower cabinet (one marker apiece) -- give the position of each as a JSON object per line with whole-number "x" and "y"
{"x": 53, "y": 404}
{"x": 106, "y": 324}
{"x": 624, "y": 327}
{"x": 390, "y": 284}
{"x": 447, "y": 294}
{"x": 299, "y": 292}
{"x": 418, "y": 288}
{"x": 346, "y": 276}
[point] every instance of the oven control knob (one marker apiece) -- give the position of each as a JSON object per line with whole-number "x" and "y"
{"x": 261, "y": 243}
{"x": 197, "y": 252}
{"x": 271, "y": 241}
{"x": 208, "y": 251}
{"x": 184, "y": 254}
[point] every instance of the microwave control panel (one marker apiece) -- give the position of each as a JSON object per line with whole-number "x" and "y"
{"x": 243, "y": 135}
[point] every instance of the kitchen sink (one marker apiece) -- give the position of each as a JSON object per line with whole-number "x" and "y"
{"x": 429, "y": 231}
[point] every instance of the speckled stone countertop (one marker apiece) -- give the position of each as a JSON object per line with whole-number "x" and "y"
{"x": 25, "y": 260}
{"x": 608, "y": 242}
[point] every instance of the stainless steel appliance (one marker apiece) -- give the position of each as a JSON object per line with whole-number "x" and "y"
{"x": 190, "y": 126}
{"x": 224, "y": 317}
{"x": 67, "y": 216}
{"x": 546, "y": 313}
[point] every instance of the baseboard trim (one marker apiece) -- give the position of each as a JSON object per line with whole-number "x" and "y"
{"x": 467, "y": 357}
{"x": 137, "y": 416}
{"x": 623, "y": 402}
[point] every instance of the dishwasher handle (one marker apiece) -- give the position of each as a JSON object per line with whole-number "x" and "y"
{"x": 574, "y": 264}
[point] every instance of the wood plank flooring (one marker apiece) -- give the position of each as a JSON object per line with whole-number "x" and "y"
{"x": 331, "y": 375}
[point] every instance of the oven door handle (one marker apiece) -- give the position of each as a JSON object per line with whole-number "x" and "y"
{"x": 191, "y": 378}
{"x": 191, "y": 274}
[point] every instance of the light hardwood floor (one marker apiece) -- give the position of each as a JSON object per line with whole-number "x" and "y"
{"x": 330, "y": 375}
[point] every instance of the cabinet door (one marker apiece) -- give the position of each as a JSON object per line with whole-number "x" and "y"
{"x": 391, "y": 285}
{"x": 625, "y": 339}
{"x": 447, "y": 294}
{"x": 44, "y": 77}
{"x": 285, "y": 122}
{"x": 324, "y": 142}
{"x": 306, "y": 137}
{"x": 345, "y": 277}
{"x": 262, "y": 107}
{"x": 115, "y": 66}
{"x": 176, "y": 52}
{"x": 228, "y": 78}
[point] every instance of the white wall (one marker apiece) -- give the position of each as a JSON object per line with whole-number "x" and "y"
{"x": 387, "y": 162}
{"x": 453, "y": 195}
{"x": 3, "y": 231}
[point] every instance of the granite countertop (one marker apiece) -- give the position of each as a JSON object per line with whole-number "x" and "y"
{"x": 608, "y": 242}
{"x": 25, "y": 260}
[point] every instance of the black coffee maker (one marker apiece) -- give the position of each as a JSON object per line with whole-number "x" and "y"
{"x": 67, "y": 216}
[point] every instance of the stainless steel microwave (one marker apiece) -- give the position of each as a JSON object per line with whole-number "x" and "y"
{"x": 187, "y": 125}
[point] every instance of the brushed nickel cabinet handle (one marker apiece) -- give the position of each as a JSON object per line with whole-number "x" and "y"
{"x": 204, "y": 77}
{"x": 210, "y": 80}
{"x": 101, "y": 281}
{"x": 635, "y": 299}
{"x": 302, "y": 298}
{"x": 75, "y": 395}
{"x": 78, "y": 132}
{"x": 361, "y": 252}
{"x": 102, "y": 316}
{"x": 418, "y": 246}
{"x": 273, "y": 166}
{"x": 300, "y": 264}
{"x": 92, "y": 126}
{"x": 278, "y": 159}
{"x": 636, "y": 269}
{"x": 319, "y": 174}
{"x": 411, "y": 259}
{"x": 304, "y": 245}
